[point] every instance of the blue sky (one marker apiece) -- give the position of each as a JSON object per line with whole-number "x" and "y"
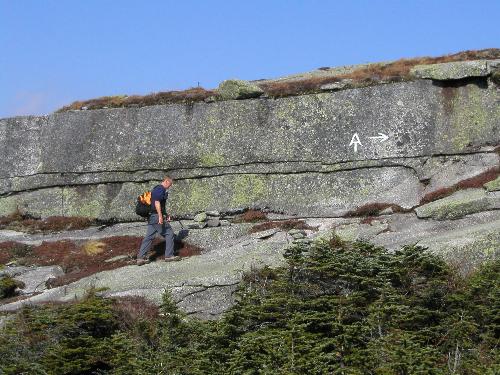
{"x": 55, "y": 52}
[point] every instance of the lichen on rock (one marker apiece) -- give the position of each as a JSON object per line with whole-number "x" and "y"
{"x": 458, "y": 205}
{"x": 238, "y": 89}
{"x": 451, "y": 70}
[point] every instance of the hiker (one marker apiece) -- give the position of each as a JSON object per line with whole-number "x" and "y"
{"x": 158, "y": 223}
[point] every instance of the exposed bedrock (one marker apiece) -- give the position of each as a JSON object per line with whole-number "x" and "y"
{"x": 419, "y": 161}
{"x": 316, "y": 155}
{"x": 203, "y": 285}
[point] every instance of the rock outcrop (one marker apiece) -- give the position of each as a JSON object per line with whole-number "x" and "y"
{"x": 319, "y": 155}
{"x": 408, "y": 162}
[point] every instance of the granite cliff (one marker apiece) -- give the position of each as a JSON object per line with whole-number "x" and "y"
{"x": 415, "y": 161}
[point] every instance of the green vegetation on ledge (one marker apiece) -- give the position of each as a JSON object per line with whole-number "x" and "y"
{"x": 335, "y": 308}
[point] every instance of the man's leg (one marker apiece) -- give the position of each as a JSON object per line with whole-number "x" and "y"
{"x": 150, "y": 236}
{"x": 168, "y": 233}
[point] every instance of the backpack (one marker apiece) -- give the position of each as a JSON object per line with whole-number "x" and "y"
{"x": 143, "y": 204}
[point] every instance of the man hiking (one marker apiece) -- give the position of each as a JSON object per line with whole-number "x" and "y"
{"x": 158, "y": 223}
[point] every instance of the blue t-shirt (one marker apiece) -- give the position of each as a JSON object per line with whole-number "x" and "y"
{"x": 159, "y": 193}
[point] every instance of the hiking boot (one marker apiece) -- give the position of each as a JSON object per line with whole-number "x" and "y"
{"x": 172, "y": 258}
{"x": 142, "y": 261}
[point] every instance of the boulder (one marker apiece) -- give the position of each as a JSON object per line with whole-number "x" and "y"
{"x": 234, "y": 211}
{"x": 493, "y": 185}
{"x": 197, "y": 225}
{"x": 34, "y": 279}
{"x": 386, "y": 211}
{"x": 238, "y": 89}
{"x": 293, "y": 155}
{"x": 458, "y": 205}
{"x": 493, "y": 65}
{"x": 467, "y": 247}
{"x": 13, "y": 271}
{"x": 297, "y": 233}
{"x": 361, "y": 232}
{"x": 213, "y": 222}
{"x": 265, "y": 233}
{"x": 334, "y": 86}
{"x": 213, "y": 213}
{"x": 201, "y": 217}
{"x": 224, "y": 223}
{"x": 451, "y": 70}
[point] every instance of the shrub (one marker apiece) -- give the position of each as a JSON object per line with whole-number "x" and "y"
{"x": 17, "y": 221}
{"x": 8, "y": 287}
{"x": 336, "y": 307}
{"x": 12, "y": 250}
{"x": 250, "y": 216}
{"x": 192, "y": 95}
{"x": 373, "y": 209}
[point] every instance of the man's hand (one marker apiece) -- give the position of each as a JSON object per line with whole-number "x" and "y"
{"x": 168, "y": 218}
{"x": 160, "y": 219}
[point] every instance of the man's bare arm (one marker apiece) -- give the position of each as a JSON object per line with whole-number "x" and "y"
{"x": 158, "y": 211}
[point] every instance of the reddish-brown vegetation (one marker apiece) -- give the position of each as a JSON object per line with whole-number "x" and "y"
{"x": 396, "y": 71}
{"x": 195, "y": 94}
{"x": 10, "y": 250}
{"x": 282, "y": 224}
{"x": 373, "y": 209}
{"x": 9, "y": 219}
{"x": 131, "y": 309}
{"x": 187, "y": 250}
{"x": 473, "y": 182}
{"x": 84, "y": 258}
{"x": 368, "y": 75}
{"x": 16, "y": 221}
{"x": 250, "y": 216}
{"x": 181, "y": 248}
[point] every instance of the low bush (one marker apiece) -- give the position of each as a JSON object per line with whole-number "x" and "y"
{"x": 8, "y": 287}
{"x": 336, "y": 307}
{"x": 192, "y": 95}
{"x": 250, "y": 216}
{"x": 12, "y": 250}
{"x": 373, "y": 209}
{"x": 16, "y": 221}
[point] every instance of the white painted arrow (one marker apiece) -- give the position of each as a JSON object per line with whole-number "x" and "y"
{"x": 380, "y": 136}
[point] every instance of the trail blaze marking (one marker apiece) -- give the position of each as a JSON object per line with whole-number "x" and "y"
{"x": 355, "y": 141}
{"x": 380, "y": 136}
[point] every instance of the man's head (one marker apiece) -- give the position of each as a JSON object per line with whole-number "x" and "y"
{"x": 167, "y": 182}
